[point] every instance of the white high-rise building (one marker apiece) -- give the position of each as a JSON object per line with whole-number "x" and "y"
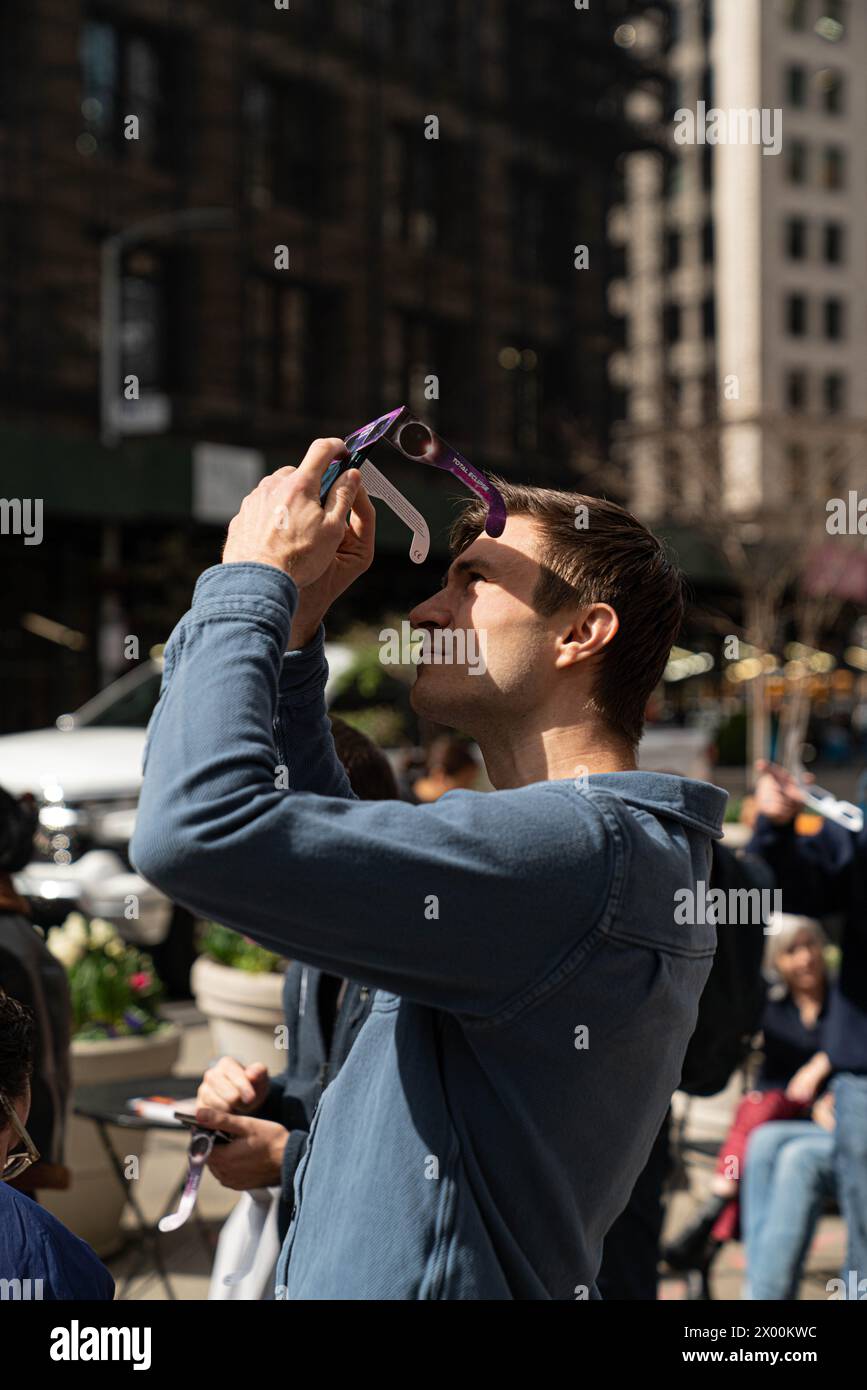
{"x": 745, "y": 298}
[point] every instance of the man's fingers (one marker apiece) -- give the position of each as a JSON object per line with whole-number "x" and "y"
{"x": 342, "y": 495}
{"x": 363, "y": 516}
{"x": 318, "y": 457}
{"x": 224, "y": 1120}
{"x": 237, "y": 1076}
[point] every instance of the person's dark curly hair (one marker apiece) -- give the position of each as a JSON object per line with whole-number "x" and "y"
{"x": 367, "y": 767}
{"x": 16, "y": 1048}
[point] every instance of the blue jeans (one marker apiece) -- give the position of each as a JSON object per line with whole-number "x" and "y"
{"x": 788, "y": 1175}
{"x": 850, "y": 1156}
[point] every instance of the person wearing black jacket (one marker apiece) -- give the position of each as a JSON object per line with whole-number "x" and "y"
{"x": 271, "y": 1116}
{"x": 819, "y": 875}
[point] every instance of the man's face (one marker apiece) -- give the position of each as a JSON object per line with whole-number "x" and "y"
{"x": 484, "y": 616}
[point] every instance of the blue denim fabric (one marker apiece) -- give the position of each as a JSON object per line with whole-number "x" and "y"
{"x": 850, "y": 1157}
{"x": 788, "y": 1176}
{"x": 471, "y": 1147}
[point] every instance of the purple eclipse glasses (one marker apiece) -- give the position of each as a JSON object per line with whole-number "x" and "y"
{"x": 417, "y": 441}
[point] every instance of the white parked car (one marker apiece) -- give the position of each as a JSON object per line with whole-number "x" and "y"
{"x": 86, "y": 774}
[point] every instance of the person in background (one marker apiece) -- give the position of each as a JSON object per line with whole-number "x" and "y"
{"x": 823, "y": 874}
{"x": 39, "y": 1257}
{"x": 794, "y": 1069}
{"x": 451, "y": 766}
{"x": 271, "y": 1116}
{"x": 30, "y": 973}
{"x": 788, "y": 1179}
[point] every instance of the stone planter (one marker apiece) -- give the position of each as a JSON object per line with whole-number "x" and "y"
{"x": 243, "y": 1011}
{"x": 93, "y": 1205}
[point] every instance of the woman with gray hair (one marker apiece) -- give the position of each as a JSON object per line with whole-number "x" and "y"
{"x": 793, "y": 1072}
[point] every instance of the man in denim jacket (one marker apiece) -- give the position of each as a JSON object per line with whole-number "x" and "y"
{"x": 535, "y": 993}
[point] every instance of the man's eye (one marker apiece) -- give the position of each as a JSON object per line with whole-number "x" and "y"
{"x": 473, "y": 575}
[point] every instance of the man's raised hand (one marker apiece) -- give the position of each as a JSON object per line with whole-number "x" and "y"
{"x": 282, "y": 523}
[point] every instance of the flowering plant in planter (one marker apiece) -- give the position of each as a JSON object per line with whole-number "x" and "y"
{"x": 114, "y": 987}
{"x": 230, "y": 948}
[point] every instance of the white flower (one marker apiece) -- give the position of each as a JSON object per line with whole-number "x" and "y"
{"x": 101, "y": 932}
{"x": 64, "y": 947}
{"x": 75, "y": 929}
{"x": 114, "y": 947}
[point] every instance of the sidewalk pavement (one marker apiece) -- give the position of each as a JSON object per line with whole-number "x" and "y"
{"x": 188, "y": 1255}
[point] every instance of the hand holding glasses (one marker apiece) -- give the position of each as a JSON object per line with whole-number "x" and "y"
{"x": 415, "y": 440}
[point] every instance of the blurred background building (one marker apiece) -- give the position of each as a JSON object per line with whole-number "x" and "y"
{"x": 745, "y": 368}
{"x": 224, "y": 231}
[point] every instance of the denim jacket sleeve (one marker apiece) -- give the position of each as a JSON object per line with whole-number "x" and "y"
{"x": 466, "y": 904}
{"x": 302, "y": 729}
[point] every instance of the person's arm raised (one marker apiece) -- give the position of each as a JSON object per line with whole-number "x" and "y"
{"x": 467, "y": 903}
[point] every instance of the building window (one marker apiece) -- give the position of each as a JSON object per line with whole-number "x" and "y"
{"x": 796, "y": 85}
{"x": 538, "y": 205}
{"x": 297, "y": 332}
{"x": 387, "y": 25}
{"x": 671, "y": 325}
{"x": 707, "y": 167}
{"x": 796, "y": 390}
{"x": 707, "y": 87}
{"x": 797, "y": 15}
{"x": 833, "y": 167}
{"x": 834, "y": 243}
{"x": 156, "y": 333}
{"x": 144, "y": 338}
{"x": 796, "y": 238}
{"x": 796, "y": 455}
{"x": 707, "y": 242}
{"x": 672, "y": 250}
{"x": 796, "y": 315}
{"x": 418, "y": 346}
{"x": 673, "y": 177}
{"x": 831, "y": 88}
{"x": 126, "y": 72}
{"x": 834, "y": 315}
{"x": 831, "y": 22}
{"x": 291, "y": 127}
{"x": 834, "y": 393}
{"x": 435, "y": 33}
{"x": 796, "y": 161}
{"x": 707, "y": 19}
{"x": 672, "y": 475}
{"x": 429, "y": 192}
{"x": 708, "y": 317}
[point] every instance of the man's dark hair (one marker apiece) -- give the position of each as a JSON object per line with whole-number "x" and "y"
{"x": 367, "y": 767}
{"x": 16, "y": 1048}
{"x": 601, "y": 555}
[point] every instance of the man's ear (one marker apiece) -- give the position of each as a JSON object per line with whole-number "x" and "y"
{"x": 590, "y": 630}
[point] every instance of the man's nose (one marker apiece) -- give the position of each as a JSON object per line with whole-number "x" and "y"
{"x": 433, "y": 610}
